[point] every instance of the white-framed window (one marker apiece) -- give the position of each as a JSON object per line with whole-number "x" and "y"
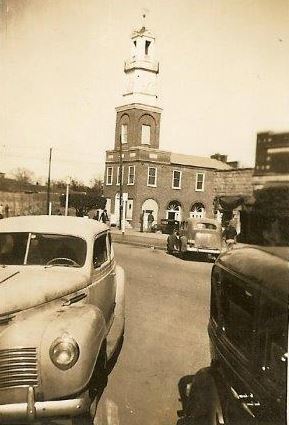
{"x": 118, "y": 175}
{"x": 131, "y": 175}
{"x": 123, "y": 136}
{"x": 200, "y": 182}
{"x": 145, "y": 134}
{"x": 109, "y": 176}
{"x": 177, "y": 179}
{"x": 152, "y": 176}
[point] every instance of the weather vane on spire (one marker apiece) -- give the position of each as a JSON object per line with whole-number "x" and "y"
{"x": 145, "y": 13}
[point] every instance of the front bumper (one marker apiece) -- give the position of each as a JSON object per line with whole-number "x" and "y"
{"x": 203, "y": 250}
{"x": 33, "y": 410}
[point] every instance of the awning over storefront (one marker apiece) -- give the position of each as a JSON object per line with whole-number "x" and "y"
{"x": 233, "y": 202}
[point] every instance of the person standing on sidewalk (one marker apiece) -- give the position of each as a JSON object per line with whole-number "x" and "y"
{"x": 104, "y": 217}
{"x": 141, "y": 217}
{"x": 151, "y": 219}
{"x": 230, "y": 235}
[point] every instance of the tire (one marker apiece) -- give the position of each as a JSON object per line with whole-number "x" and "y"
{"x": 99, "y": 377}
{"x": 82, "y": 420}
{"x": 113, "y": 359}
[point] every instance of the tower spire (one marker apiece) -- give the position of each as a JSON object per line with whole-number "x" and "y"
{"x": 142, "y": 68}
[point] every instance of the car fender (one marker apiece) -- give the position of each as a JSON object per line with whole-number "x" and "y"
{"x": 86, "y": 325}
{"x": 117, "y": 328}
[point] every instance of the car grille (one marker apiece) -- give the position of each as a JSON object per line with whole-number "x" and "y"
{"x": 18, "y": 367}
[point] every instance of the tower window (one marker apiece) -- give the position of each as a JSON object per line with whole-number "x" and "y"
{"x": 146, "y": 134}
{"x": 147, "y": 45}
{"x": 124, "y": 133}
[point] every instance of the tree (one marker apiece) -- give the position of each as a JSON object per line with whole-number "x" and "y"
{"x": 23, "y": 175}
{"x": 83, "y": 202}
{"x": 96, "y": 185}
{"x": 269, "y": 215}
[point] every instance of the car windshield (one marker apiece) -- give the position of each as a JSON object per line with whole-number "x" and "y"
{"x": 41, "y": 249}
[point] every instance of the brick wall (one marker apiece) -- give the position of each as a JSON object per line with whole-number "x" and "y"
{"x": 234, "y": 182}
{"x": 21, "y": 203}
{"x": 164, "y": 193}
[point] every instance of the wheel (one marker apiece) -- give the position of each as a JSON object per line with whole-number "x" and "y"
{"x": 98, "y": 380}
{"x": 113, "y": 359}
{"x": 82, "y": 420}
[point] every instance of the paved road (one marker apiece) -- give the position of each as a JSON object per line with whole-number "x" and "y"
{"x": 167, "y": 302}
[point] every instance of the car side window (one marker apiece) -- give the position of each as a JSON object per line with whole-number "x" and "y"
{"x": 100, "y": 252}
{"x": 273, "y": 342}
{"x": 238, "y": 307}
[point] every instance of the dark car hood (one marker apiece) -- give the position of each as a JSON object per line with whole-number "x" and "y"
{"x": 23, "y": 287}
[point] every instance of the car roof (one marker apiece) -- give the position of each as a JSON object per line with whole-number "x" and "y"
{"x": 75, "y": 226}
{"x": 204, "y": 220}
{"x": 266, "y": 266}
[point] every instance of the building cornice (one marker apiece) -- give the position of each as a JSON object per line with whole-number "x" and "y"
{"x": 139, "y": 106}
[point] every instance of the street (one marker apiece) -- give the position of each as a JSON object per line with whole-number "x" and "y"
{"x": 167, "y": 305}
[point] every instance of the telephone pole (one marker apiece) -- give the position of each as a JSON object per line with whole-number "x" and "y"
{"x": 120, "y": 184}
{"x": 48, "y": 183}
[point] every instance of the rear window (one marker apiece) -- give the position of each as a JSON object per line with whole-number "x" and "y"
{"x": 208, "y": 226}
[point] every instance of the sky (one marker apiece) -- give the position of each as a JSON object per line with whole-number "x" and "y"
{"x": 224, "y": 77}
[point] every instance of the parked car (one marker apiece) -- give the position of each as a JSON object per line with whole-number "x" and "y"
{"x": 61, "y": 317}
{"x": 201, "y": 236}
{"x": 248, "y": 331}
{"x": 165, "y": 226}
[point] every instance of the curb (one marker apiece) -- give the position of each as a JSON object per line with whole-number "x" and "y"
{"x": 139, "y": 244}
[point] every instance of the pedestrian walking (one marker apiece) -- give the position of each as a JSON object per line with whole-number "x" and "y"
{"x": 6, "y": 210}
{"x": 104, "y": 217}
{"x": 230, "y": 235}
{"x": 151, "y": 219}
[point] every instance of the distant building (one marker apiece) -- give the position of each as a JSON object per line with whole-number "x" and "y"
{"x": 272, "y": 159}
{"x": 168, "y": 184}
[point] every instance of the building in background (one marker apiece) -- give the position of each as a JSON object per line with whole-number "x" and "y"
{"x": 272, "y": 160}
{"x": 168, "y": 184}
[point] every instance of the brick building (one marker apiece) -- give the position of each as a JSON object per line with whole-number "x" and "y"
{"x": 168, "y": 184}
{"x": 272, "y": 159}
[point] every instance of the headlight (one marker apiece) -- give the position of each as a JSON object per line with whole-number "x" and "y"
{"x": 64, "y": 352}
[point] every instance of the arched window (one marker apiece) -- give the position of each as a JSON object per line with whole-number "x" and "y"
{"x": 198, "y": 210}
{"x": 174, "y": 210}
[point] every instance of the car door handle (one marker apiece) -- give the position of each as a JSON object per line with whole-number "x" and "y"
{"x": 74, "y": 299}
{"x": 250, "y": 402}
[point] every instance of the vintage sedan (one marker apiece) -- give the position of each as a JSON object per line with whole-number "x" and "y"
{"x": 61, "y": 317}
{"x": 202, "y": 236}
{"x": 248, "y": 332}
{"x": 166, "y": 226}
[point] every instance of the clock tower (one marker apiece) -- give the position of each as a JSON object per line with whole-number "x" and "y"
{"x": 138, "y": 119}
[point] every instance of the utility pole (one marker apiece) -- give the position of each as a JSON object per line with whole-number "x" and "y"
{"x": 120, "y": 184}
{"x": 67, "y": 196}
{"x": 48, "y": 184}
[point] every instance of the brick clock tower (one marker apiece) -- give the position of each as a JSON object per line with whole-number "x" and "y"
{"x": 137, "y": 129}
{"x": 138, "y": 120}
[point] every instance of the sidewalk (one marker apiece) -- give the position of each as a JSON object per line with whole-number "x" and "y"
{"x": 137, "y": 238}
